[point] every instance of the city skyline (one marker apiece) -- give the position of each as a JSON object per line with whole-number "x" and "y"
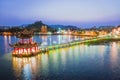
{"x": 84, "y": 13}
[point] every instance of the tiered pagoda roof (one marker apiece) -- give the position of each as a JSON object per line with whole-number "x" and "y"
{"x": 19, "y": 45}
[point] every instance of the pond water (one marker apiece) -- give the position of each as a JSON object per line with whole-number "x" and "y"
{"x": 80, "y": 62}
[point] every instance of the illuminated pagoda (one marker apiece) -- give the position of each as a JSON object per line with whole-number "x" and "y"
{"x": 25, "y": 46}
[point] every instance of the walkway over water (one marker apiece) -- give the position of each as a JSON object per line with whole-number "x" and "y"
{"x": 66, "y": 42}
{"x": 88, "y": 41}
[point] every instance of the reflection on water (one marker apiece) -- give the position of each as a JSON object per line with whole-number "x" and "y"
{"x": 44, "y": 64}
{"x": 80, "y": 62}
{"x": 5, "y": 43}
{"x": 114, "y": 53}
{"x": 7, "y": 40}
{"x": 114, "y": 58}
{"x": 53, "y": 39}
{"x": 32, "y": 67}
{"x": 28, "y": 68}
{"x": 64, "y": 56}
{"x": 25, "y": 67}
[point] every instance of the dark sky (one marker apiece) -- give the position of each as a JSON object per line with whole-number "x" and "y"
{"x": 65, "y": 12}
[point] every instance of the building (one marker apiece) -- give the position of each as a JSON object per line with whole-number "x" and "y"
{"x": 44, "y": 29}
{"x": 25, "y": 46}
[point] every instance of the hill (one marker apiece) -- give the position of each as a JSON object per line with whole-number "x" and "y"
{"x": 36, "y": 26}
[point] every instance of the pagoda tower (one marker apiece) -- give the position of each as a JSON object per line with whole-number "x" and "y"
{"x": 44, "y": 29}
{"x": 25, "y": 46}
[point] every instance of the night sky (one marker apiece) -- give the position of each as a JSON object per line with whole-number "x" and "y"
{"x": 65, "y": 12}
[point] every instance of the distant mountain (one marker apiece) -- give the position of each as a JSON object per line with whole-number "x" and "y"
{"x": 106, "y": 27}
{"x": 64, "y": 27}
{"x": 38, "y": 24}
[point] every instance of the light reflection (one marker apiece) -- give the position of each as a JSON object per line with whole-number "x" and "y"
{"x": 50, "y": 40}
{"x": 6, "y": 43}
{"x": 44, "y": 38}
{"x": 114, "y": 60}
{"x": 44, "y": 63}
{"x": 27, "y": 72}
{"x": 54, "y": 55}
{"x": 28, "y": 68}
{"x": 9, "y": 39}
{"x": 82, "y": 48}
{"x": 76, "y": 52}
{"x": 102, "y": 52}
{"x": 25, "y": 68}
{"x": 63, "y": 56}
{"x": 71, "y": 53}
{"x": 114, "y": 54}
{"x": 59, "y": 39}
{"x": 44, "y": 41}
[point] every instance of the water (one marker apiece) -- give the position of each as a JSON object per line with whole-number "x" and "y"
{"x": 80, "y": 62}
